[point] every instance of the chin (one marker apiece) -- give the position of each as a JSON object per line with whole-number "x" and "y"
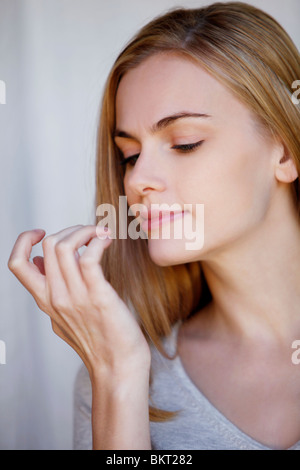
{"x": 170, "y": 252}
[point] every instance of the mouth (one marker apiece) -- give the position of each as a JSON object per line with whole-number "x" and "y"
{"x": 154, "y": 221}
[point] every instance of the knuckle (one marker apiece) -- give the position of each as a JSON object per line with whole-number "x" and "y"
{"x": 58, "y": 302}
{"x": 41, "y": 305}
{"x": 14, "y": 264}
{"x": 48, "y": 242}
{"x": 61, "y": 247}
{"x": 104, "y": 296}
{"x": 86, "y": 261}
{"x": 54, "y": 326}
{"x": 104, "y": 287}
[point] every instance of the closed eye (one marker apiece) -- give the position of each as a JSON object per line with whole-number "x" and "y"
{"x": 187, "y": 147}
{"x": 129, "y": 159}
{"x": 184, "y": 148}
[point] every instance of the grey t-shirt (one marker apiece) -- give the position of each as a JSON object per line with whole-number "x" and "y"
{"x": 199, "y": 425}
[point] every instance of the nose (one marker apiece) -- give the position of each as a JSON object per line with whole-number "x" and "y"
{"x": 145, "y": 176}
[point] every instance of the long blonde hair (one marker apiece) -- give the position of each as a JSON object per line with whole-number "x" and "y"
{"x": 250, "y": 53}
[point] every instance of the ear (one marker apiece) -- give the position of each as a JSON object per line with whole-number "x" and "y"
{"x": 285, "y": 168}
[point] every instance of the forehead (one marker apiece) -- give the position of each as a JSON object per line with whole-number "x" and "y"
{"x": 167, "y": 83}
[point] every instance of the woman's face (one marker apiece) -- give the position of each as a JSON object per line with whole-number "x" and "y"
{"x": 208, "y": 153}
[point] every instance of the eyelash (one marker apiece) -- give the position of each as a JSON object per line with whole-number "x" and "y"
{"x": 184, "y": 148}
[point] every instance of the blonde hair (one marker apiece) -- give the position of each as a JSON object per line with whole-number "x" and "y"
{"x": 250, "y": 53}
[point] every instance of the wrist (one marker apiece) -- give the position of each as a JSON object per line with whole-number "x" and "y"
{"x": 118, "y": 374}
{"x": 120, "y": 412}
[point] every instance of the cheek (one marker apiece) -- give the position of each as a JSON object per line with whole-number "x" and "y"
{"x": 249, "y": 183}
{"x": 235, "y": 188}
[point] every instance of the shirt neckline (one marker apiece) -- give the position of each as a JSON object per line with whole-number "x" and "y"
{"x": 199, "y": 396}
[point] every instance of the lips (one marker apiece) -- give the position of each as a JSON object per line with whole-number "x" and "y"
{"x": 158, "y": 214}
{"x": 155, "y": 218}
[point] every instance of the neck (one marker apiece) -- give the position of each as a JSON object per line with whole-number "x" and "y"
{"x": 255, "y": 282}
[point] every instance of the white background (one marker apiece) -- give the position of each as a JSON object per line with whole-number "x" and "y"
{"x": 54, "y": 58}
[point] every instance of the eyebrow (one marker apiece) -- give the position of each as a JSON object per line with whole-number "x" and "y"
{"x": 162, "y": 123}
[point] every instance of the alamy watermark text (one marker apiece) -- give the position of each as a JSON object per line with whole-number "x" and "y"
{"x": 2, "y": 352}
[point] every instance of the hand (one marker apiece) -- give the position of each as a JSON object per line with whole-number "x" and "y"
{"x": 85, "y": 310}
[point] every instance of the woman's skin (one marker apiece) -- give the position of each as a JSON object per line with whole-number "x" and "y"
{"x": 238, "y": 349}
{"x": 87, "y": 313}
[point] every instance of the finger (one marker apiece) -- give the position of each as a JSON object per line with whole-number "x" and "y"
{"x": 56, "y": 285}
{"x": 70, "y": 264}
{"x": 19, "y": 264}
{"x": 90, "y": 266}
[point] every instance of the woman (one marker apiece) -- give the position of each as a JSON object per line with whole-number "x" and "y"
{"x": 197, "y": 111}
